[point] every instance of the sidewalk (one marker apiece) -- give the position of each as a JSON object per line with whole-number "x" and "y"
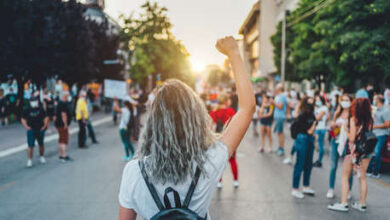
{"x": 14, "y": 134}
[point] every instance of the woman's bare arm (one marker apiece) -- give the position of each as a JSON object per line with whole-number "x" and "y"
{"x": 236, "y": 129}
{"x": 127, "y": 214}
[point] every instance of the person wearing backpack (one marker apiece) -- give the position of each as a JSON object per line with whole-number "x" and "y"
{"x": 359, "y": 123}
{"x": 180, "y": 154}
{"x": 221, "y": 117}
{"x": 124, "y": 127}
{"x": 304, "y": 147}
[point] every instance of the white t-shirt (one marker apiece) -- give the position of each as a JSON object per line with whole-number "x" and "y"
{"x": 125, "y": 117}
{"x": 135, "y": 195}
{"x": 322, "y": 122}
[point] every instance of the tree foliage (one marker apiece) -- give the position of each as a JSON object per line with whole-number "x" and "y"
{"x": 155, "y": 48}
{"x": 342, "y": 42}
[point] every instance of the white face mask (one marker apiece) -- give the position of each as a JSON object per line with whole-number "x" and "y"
{"x": 34, "y": 104}
{"x": 318, "y": 103}
{"x": 345, "y": 104}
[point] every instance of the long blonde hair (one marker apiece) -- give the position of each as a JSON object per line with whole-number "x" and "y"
{"x": 177, "y": 133}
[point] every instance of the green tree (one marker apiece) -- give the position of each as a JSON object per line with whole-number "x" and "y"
{"x": 155, "y": 48}
{"x": 341, "y": 42}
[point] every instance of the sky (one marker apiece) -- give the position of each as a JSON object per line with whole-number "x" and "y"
{"x": 197, "y": 23}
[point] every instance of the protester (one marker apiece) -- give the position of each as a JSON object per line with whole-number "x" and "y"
{"x": 2, "y": 108}
{"x": 62, "y": 122}
{"x": 91, "y": 131}
{"x": 49, "y": 106}
{"x": 304, "y": 146}
{"x": 339, "y": 119}
{"x": 11, "y": 103}
{"x": 35, "y": 120}
{"x": 178, "y": 140}
{"x": 359, "y": 122}
{"x": 266, "y": 113}
{"x": 234, "y": 99}
{"x": 81, "y": 117}
{"x": 280, "y": 112}
{"x": 221, "y": 117}
{"x": 381, "y": 130}
{"x": 124, "y": 128}
{"x": 321, "y": 113}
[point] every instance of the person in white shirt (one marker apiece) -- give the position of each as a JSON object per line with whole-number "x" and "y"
{"x": 124, "y": 128}
{"x": 322, "y": 113}
{"x": 178, "y": 139}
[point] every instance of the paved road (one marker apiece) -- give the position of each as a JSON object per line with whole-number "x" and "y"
{"x": 87, "y": 188}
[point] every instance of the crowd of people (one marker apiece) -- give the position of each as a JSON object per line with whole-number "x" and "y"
{"x": 314, "y": 118}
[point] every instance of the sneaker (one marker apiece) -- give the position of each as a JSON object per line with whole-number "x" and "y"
{"x": 297, "y": 194}
{"x": 65, "y": 159}
{"x": 375, "y": 176}
{"x": 340, "y": 207}
{"x": 280, "y": 152}
{"x": 29, "y": 163}
{"x": 219, "y": 185}
{"x": 42, "y": 159}
{"x": 62, "y": 159}
{"x": 287, "y": 161}
{"x": 359, "y": 207}
{"x": 308, "y": 191}
{"x": 330, "y": 194}
{"x": 235, "y": 183}
{"x": 317, "y": 164}
{"x": 126, "y": 158}
{"x": 369, "y": 174}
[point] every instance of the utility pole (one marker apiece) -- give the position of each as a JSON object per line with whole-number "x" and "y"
{"x": 283, "y": 60}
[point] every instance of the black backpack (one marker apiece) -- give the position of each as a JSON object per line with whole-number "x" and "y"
{"x": 294, "y": 128}
{"x": 365, "y": 145}
{"x": 167, "y": 212}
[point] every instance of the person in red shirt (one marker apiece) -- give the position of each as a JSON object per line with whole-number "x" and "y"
{"x": 221, "y": 118}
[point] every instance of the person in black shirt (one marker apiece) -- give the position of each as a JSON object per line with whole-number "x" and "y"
{"x": 35, "y": 120}
{"x": 62, "y": 122}
{"x": 304, "y": 146}
{"x": 11, "y": 103}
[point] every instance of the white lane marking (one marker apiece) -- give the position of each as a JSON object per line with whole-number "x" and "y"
{"x": 23, "y": 147}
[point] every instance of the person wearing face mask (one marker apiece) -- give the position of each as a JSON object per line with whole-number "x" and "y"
{"x": 381, "y": 131}
{"x": 35, "y": 120}
{"x": 321, "y": 113}
{"x": 339, "y": 118}
{"x": 304, "y": 147}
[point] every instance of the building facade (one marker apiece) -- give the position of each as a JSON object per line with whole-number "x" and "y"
{"x": 257, "y": 29}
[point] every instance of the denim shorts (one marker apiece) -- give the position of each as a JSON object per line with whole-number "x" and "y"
{"x": 33, "y": 135}
{"x": 266, "y": 123}
{"x": 279, "y": 125}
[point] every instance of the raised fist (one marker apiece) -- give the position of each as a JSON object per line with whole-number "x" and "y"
{"x": 227, "y": 46}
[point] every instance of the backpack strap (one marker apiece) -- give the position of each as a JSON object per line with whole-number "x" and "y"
{"x": 175, "y": 196}
{"x": 191, "y": 190}
{"x": 150, "y": 186}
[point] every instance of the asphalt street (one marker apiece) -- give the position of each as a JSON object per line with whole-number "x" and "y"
{"x": 87, "y": 188}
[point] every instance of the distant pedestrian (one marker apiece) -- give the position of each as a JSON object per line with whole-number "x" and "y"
{"x": 82, "y": 117}
{"x": 11, "y": 103}
{"x": 2, "y": 107}
{"x": 381, "y": 130}
{"x": 280, "y": 112}
{"x": 322, "y": 113}
{"x": 179, "y": 151}
{"x": 266, "y": 113}
{"x": 221, "y": 117}
{"x": 304, "y": 147}
{"x": 362, "y": 93}
{"x": 125, "y": 128}
{"x": 91, "y": 130}
{"x": 35, "y": 120}
{"x": 63, "y": 120}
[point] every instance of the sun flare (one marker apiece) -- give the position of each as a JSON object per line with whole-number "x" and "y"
{"x": 197, "y": 66}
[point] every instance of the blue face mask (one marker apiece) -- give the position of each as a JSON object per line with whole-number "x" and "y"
{"x": 318, "y": 103}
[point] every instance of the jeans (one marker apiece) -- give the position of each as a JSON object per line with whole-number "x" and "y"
{"x": 91, "y": 132}
{"x": 125, "y": 137}
{"x": 82, "y": 133}
{"x": 376, "y": 161}
{"x": 304, "y": 146}
{"x": 334, "y": 160}
{"x": 321, "y": 139}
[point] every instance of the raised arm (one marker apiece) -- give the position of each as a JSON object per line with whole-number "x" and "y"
{"x": 236, "y": 129}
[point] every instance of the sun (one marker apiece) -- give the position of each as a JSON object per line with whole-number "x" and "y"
{"x": 197, "y": 66}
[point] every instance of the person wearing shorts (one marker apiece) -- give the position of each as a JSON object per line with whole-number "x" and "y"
{"x": 280, "y": 112}
{"x": 62, "y": 122}
{"x": 266, "y": 118}
{"x": 35, "y": 120}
